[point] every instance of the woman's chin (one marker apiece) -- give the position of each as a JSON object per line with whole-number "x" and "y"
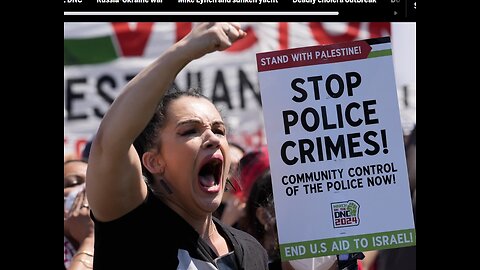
{"x": 211, "y": 205}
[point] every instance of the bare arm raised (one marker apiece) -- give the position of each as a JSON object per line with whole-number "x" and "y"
{"x": 114, "y": 177}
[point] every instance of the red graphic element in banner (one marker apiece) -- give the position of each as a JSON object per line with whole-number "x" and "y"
{"x": 283, "y": 35}
{"x": 313, "y": 55}
{"x": 182, "y": 29}
{"x": 379, "y": 29}
{"x": 132, "y": 42}
{"x": 323, "y": 37}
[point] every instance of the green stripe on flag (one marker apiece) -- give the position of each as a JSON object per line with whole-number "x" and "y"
{"x": 88, "y": 51}
{"x": 380, "y": 53}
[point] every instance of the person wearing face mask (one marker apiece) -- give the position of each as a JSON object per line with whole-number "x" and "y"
{"x": 78, "y": 235}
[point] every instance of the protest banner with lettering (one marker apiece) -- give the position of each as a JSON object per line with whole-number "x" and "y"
{"x": 336, "y": 149}
{"x": 101, "y": 57}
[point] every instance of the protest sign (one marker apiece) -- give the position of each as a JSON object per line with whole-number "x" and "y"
{"x": 336, "y": 149}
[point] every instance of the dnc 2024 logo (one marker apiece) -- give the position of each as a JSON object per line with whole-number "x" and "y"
{"x": 345, "y": 214}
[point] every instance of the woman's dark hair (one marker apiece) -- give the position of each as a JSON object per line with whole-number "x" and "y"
{"x": 87, "y": 148}
{"x": 146, "y": 140}
{"x": 261, "y": 195}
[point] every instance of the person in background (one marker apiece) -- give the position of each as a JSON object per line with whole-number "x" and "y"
{"x": 158, "y": 167}
{"x": 260, "y": 222}
{"x": 86, "y": 149}
{"x": 69, "y": 156}
{"x": 236, "y": 154}
{"x": 251, "y": 166}
{"x": 78, "y": 234}
{"x": 231, "y": 210}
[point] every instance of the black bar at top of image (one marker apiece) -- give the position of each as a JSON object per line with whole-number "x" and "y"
{"x": 240, "y": 10}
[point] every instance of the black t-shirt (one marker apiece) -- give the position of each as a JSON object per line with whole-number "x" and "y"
{"x": 153, "y": 236}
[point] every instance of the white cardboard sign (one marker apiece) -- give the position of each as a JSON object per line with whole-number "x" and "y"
{"x": 336, "y": 149}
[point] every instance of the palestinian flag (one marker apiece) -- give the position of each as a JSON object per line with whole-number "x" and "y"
{"x": 94, "y": 43}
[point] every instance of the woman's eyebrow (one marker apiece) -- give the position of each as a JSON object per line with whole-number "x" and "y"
{"x": 188, "y": 121}
{"x": 218, "y": 122}
{"x": 198, "y": 121}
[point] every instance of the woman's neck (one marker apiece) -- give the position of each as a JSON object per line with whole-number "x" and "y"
{"x": 203, "y": 225}
{"x": 207, "y": 230}
{"x": 215, "y": 240}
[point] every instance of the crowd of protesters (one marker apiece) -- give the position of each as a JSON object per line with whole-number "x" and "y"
{"x": 165, "y": 189}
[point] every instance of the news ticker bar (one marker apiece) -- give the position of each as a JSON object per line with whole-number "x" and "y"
{"x": 334, "y": 10}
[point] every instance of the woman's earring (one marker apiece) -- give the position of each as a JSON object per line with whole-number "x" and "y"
{"x": 165, "y": 186}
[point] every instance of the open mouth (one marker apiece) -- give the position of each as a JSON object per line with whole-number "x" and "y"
{"x": 210, "y": 174}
